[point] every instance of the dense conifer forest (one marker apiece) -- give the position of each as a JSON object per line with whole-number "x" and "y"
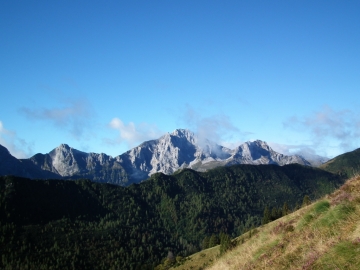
{"x": 85, "y": 225}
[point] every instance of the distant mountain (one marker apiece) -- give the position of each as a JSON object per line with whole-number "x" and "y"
{"x": 182, "y": 149}
{"x": 171, "y": 152}
{"x": 314, "y": 160}
{"x": 70, "y": 163}
{"x": 21, "y": 167}
{"x": 347, "y": 164}
{"x": 8, "y": 163}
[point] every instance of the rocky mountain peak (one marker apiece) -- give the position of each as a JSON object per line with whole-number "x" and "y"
{"x": 62, "y": 148}
{"x": 184, "y": 135}
{"x": 178, "y": 149}
{"x": 260, "y": 144}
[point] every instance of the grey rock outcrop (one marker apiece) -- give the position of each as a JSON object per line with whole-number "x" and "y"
{"x": 259, "y": 152}
{"x": 70, "y": 163}
{"x": 171, "y": 152}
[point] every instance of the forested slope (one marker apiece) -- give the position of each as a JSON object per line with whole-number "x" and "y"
{"x": 87, "y": 225}
{"x": 347, "y": 165}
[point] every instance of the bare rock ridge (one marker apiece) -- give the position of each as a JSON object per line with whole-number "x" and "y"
{"x": 171, "y": 152}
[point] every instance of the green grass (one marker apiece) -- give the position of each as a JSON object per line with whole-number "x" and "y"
{"x": 314, "y": 212}
{"x": 325, "y": 235}
{"x": 265, "y": 249}
{"x": 335, "y": 215}
{"x": 344, "y": 255}
{"x": 321, "y": 206}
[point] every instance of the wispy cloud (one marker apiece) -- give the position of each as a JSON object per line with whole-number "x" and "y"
{"x": 132, "y": 135}
{"x": 217, "y": 128}
{"x": 74, "y": 116}
{"x": 19, "y": 148}
{"x": 304, "y": 150}
{"x": 329, "y": 125}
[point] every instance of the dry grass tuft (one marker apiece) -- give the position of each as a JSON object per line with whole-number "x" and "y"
{"x": 310, "y": 259}
{"x": 282, "y": 227}
{"x": 323, "y": 235}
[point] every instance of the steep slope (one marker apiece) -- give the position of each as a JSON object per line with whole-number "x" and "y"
{"x": 259, "y": 152}
{"x": 179, "y": 149}
{"x": 10, "y": 165}
{"x": 70, "y": 163}
{"x": 173, "y": 151}
{"x": 347, "y": 164}
{"x": 323, "y": 235}
{"x": 87, "y": 225}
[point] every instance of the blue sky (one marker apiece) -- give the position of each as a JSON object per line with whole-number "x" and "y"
{"x": 104, "y": 76}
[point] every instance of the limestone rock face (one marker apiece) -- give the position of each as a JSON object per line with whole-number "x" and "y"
{"x": 171, "y": 152}
{"x": 70, "y": 163}
{"x": 183, "y": 149}
{"x": 259, "y": 152}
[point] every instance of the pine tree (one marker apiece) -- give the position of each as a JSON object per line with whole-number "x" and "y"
{"x": 225, "y": 243}
{"x": 285, "y": 209}
{"x": 306, "y": 201}
{"x": 214, "y": 240}
{"x": 266, "y": 217}
{"x": 274, "y": 214}
{"x": 205, "y": 243}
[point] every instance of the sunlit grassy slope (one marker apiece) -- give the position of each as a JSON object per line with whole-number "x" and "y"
{"x": 323, "y": 235}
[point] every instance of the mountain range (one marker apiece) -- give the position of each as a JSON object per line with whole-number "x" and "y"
{"x": 171, "y": 152}
{"x": 85, "y": 225}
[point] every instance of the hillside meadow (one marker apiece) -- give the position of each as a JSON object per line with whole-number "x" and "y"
{"x": 322, "y": 235}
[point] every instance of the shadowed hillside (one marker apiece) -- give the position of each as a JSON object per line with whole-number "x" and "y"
{"x": 86, "y": 225}
{"x": 347, "y": 165}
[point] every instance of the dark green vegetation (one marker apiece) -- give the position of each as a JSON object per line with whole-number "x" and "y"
{"x": 347, "y": 165}
{"x": 85, "y": 225}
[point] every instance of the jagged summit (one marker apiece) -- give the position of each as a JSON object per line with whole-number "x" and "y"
{"x": 259, "y": 152}
{"x": 179, "y": 149}
{"x": 183, "y": 149}
{"x": 64, "y": 145}
{"x": 183, "y": 133}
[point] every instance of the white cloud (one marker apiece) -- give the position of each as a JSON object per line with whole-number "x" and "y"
{"x": 217, "y": 128}
{"x": 131, "y": 134}
{"x": 329, "y": 126}
{"x": 16, "y": 146}
{"x": 293, "y": 149}
{"x": 231, "y": 144}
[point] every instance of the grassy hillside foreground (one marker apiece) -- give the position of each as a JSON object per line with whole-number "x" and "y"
{"x": 323, "y": 235}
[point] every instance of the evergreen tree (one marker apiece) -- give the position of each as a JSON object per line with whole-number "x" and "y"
{"x": 306, "y": 201}
{"x": 205, "y": 243}
{"x": 266, "y": 217}
{"x": 274, "y": 214}
{"x": 214, "y": 240}
{"x": 285, "y": 209}
{"x": 225, "y": 243}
